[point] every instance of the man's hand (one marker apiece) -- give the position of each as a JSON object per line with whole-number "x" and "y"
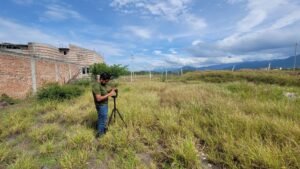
{"x": 112, "y": 92}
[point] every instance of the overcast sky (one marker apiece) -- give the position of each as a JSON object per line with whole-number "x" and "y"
{"x": 148, "y": 34}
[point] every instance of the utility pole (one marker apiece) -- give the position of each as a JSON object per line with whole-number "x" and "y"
{"x": 166, "y": 74}
{"x": 233, "y": 67}
{"x": 132, "y": 73}
{"x": 269, "y": 67}
{"x": 295, "y": 61}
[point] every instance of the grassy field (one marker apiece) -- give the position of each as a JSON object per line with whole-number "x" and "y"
{"x": 236, "y": 123}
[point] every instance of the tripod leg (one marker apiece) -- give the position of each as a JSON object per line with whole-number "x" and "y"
{"x": 121, "y": 117}
{"x": 110, "y": 117}
{"x": 115, "y": 115}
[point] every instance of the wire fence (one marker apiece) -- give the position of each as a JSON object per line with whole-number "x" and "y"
{"x": 147, "y": 77}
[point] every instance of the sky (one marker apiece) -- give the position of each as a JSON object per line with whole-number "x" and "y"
{"x": 151, "y": 34}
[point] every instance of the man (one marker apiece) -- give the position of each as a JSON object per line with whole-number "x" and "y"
{"x": 101, "y": 95}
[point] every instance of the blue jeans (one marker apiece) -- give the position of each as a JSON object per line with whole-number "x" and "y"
{"x": 102, "y": 117}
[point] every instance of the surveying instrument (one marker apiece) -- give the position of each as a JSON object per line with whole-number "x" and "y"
{"x": 115, "y": 112}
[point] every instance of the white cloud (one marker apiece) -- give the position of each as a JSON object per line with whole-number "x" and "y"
{"x": 287, "y": 20}
{"x": 195, "y": 23}
{"x": 121, "y": 3}
{"x": 260, "y": 40}
{"x": 268, "y": 31}
{"x": 224, "y": 60}
{"x": 173, "y": 51}
{"x": 157, "y": 52}
{"x": 107, "y": 49}
{"x": 259, "y": 11}
{"x": 254, "y": 18}
{"x": 275, "y": 31}
{"x": 139, "y": 31}
{"x": 173, "y": 59}
{"x": 176, "y": 60}
{"x": 176, "y": 12}
{"x": 172, "y": 36}
{"x": 169, "y": 9}
{"x": 196, "y": 42}
{"x": 11, "y": 31}
{"x": 57, "y": 12}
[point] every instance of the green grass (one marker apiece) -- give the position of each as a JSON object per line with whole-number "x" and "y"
{"x": 283, "y": 78}
{"x": 237, "y": 124}
{"x": 25, "y": 161}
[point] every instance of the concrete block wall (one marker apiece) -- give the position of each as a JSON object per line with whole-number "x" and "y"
{"x": 83, "y": 56}
{"x": 76, "y": 54}
{"x": 45, "y": 51}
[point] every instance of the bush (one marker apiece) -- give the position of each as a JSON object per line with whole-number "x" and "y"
{"x": 57, "y": 92}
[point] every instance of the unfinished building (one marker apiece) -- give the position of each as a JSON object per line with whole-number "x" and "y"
{"x": 26, "y": 67}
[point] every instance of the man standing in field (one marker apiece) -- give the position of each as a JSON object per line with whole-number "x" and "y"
{"x": 101, "y": 95}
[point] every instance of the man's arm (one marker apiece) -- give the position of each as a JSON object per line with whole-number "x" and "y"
{"x": 100, "y": 98}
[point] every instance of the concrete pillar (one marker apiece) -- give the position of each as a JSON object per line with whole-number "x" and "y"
{"x": 56, "y": 72}
{"x": 70, "y": 71}
{"x": 33, "y": 74}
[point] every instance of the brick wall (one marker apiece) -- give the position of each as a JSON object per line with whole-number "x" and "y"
{"x": 23, "y": 71}
{"x": 16, "y": 73}
{"x": 45, "y": 71}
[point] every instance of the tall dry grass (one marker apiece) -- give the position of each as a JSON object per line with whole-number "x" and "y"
{"x": 237, "y": 124}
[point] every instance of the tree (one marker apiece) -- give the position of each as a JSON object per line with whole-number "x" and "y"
{"x": 118, "y": 70}
{"x": 115, "y": 70}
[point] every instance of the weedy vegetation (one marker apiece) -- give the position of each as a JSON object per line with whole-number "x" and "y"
{"x": 236, "y": 122}
{"x": 58, "y": 92}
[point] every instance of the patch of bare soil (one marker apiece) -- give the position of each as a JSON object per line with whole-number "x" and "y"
{"x": 3, "y": 104}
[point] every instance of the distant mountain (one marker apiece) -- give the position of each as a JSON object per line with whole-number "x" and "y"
{"x": 275, "y": 63}
{"x": 176, "y": 69}
{"x": 190, "y": 68}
